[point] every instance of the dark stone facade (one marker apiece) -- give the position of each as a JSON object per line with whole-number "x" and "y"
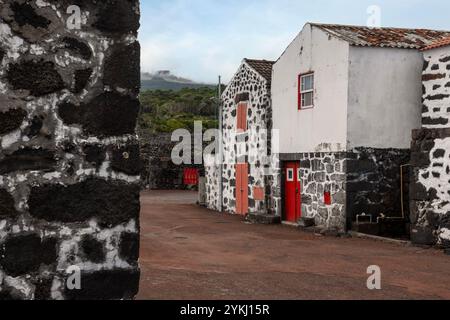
{"x": 365, "y": 180}
{"x": 158, "y": 170}
{"x": 374, "y": 184}
{"x": 69, "y": 153}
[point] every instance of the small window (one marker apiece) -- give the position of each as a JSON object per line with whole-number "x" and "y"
{"x": 306, "y": 91}
{"x": 290, "y": 175}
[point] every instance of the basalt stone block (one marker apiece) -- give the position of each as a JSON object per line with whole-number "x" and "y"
{"x": 35, "y": 127}
{"x": 420, "y": 159}
{"x": 117, "y": 16}
{"x": 434, "y": 76}
{"x": 77, "y": 47}
{"x": 93, "y": 249}
{"x": 106, "y": 285}
{"x": 123, "y": 61}
{"x": 127, "y": 160}
{"x": 81, "y": 79}
{"x": 129, "y": 247}
{"x": 28, "y": 159}
{"x": 109, "y": 114}
{"x": 25, "y": 14}
{"x": 25, "y": 253}
{"x": 437, "y": 97}
{"x": 43, "y": 289}
{"x": 95, "y": 154}
{"x": 11, "y": 120}
{"x": 7, "y": 208}
{"x": 423, "y": 236}
{"x": 434, "y": 121}
{"x": 38, "y": 77}
{"x": 110, "y": 203}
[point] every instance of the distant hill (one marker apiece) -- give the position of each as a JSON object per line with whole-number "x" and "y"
{"x": 165, "y": 80}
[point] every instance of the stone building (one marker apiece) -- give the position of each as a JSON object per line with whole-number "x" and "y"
{"x": 245, "y": 180}
{"x": 69, "y": 154}
{"x": 345, "y": 100}
{"x": 430, "y": 187}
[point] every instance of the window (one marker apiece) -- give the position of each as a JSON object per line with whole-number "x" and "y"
{"x": 306, "y": 91}
{"x": 290, "y": 175}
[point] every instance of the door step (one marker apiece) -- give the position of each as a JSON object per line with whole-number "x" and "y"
{"x": 259, "y": 218}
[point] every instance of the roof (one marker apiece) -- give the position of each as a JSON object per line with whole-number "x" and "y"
{"x": 438, "y": 44}
{"x": 384, "y": 37}
{"x": 263, "y": 67}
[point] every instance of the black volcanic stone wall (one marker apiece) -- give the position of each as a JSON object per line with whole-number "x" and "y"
{"x": 373, "y": 182}
{"x": 158, "y": 170}
{"x": 69, "y": 153}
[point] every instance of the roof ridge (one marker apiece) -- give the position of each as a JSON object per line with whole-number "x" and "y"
{"x": 318, "y": 24}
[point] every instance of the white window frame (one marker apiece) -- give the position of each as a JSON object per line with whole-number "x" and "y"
{"x": 302, "y": 91}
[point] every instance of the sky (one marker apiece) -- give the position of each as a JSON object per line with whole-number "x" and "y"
{"x": 202, "y": 39}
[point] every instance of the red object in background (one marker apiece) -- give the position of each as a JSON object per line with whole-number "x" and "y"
{"x": 190, "y": 176}
{"x": 327, "y": 198}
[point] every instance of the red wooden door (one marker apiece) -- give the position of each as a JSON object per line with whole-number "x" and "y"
{"x": 242, "y": 188}
{"x": 293, "y": 210}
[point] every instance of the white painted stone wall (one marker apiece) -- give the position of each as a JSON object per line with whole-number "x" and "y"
{"x": 246, "y": 80}
{"x": 384, "y": 101}
{"x": 436, "y": 108}
{"x": 324, "y": 127}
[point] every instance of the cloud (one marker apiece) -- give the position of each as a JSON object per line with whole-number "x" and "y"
{"x": 201, "y": 39}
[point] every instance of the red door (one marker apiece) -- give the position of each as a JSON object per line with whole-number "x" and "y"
{"x": 293, "y": 193}
{"x": 242, "y": 188}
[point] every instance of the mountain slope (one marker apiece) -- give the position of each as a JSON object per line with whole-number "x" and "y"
{"x": 164, "y": 80}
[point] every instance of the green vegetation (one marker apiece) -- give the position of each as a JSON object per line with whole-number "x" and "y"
{"x": 168, "y": 110}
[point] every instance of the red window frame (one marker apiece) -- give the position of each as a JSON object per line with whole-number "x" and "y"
{"x": 300, "y": 76}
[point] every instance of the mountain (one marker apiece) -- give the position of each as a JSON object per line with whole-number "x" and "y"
{"x": 165, "y": 80}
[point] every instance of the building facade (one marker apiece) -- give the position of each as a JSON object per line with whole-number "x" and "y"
{"x": 430, "y": 185}
{"x": 244, "y": 182}
{"x": 345, "y": 100}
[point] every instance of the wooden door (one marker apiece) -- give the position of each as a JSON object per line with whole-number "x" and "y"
{"x": 292, "y": 192}
{"x": 242, "y": 188}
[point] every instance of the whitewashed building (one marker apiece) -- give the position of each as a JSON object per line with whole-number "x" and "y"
{"x": 345, "y": 100}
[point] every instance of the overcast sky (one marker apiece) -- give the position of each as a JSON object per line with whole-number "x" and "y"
{"x": 200, "y": 39}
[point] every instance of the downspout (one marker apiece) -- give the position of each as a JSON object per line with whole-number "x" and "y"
{"x": 220, "y": 147}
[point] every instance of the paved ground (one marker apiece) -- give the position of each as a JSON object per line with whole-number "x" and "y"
{"x": 189, "y": 252}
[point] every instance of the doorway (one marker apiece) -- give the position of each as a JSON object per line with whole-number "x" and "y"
{"x": 293, "y": 211}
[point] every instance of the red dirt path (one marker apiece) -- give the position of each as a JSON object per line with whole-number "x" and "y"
{"x": 188, "y": 252}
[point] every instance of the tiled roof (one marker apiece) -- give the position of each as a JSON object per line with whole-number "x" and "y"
{"x": 438, "y": 44}
{"x": 263, "y": 67}
{"x": 384, "y": 37}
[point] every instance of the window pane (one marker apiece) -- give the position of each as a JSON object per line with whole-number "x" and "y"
{"x": 307, "y": 82}
{"x": 307, "y": 99}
